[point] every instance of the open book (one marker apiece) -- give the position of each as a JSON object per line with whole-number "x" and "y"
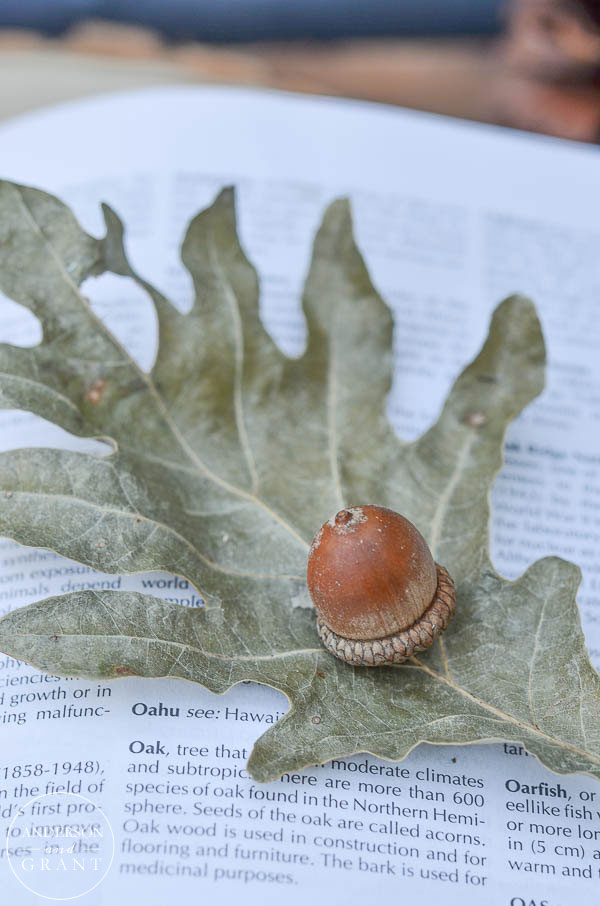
{"x": 451, "y": 218}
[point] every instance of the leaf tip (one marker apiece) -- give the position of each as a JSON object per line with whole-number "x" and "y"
{"x": 516, "y": 321}
{"x": 517, "y": 303}
{"x": 112, "y": 220}
{"x": 338, "y": 213}
{"x": 226, "y": 197}
{"x": 518, "y": 306}
{"x": 565, "y": 572}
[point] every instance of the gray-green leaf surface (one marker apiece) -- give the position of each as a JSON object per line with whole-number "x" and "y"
{"x": 227, "y": 458}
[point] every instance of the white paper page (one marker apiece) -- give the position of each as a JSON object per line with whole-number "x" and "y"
{"x": 451, "y": 218}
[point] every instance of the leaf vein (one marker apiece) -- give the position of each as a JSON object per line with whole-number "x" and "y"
{"x": 502, "y": 715}
{"x": 125, "y": 514}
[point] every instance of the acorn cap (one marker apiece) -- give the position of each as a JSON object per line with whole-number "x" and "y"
{"x": 378, "y": 593}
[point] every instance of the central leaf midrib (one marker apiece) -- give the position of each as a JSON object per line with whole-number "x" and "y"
{"x": 445, "y": 498}
{"x": 332, "y": 434}
{"x": 238, "y": 398}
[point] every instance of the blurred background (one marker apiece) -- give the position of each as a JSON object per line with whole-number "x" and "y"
{"x": 531, "y": 64}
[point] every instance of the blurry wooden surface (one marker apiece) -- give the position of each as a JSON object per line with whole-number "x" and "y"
{"x": 458, "y": 77}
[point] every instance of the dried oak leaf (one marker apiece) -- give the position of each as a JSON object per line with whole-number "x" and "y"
{"x": 229, "y": 455}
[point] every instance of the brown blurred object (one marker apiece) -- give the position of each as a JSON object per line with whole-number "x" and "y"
{"x": 556, "y": 39}
{"x": 450, "y": 76}
{"x": 110, "y": 39}
{"x": 542, "y": 75}
{"x": 550, "y": 68}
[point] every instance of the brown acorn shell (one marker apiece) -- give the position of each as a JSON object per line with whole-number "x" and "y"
{"x": 400, "y": 646}
{"x": 370, "y": 573}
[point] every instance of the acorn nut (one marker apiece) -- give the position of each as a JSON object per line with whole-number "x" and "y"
{"x": 379, "y": 595}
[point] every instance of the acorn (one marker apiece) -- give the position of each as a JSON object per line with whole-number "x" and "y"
{"x": 379, "y": 595}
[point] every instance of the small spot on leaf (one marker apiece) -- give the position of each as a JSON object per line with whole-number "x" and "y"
{"x": 96, "y": 392}
{"x": 475, "y": 419}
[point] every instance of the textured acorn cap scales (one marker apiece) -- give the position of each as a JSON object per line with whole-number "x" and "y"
{"x": 379, "y": 595}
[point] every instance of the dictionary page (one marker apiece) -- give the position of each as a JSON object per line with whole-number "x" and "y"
{"x": 451, "y": 217}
